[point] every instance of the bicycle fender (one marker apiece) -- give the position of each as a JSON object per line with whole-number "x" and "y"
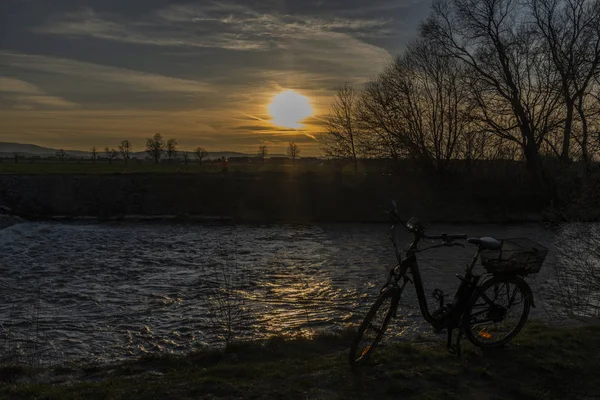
{"x": 527, "y": 289}
{"x": 530, "y": 294}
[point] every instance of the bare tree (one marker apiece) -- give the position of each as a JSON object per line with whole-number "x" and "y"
{"x": 171, "y": 150}
{"x": 94, "y": 154}
{"x": 185, "y": 155}
{"x": 475, "y": 145}
{"x": 155, "y": 147}
{"x": 420, "y": 106}
{"x": 200, "y": 154}
{"x": 341, "y": 137}
{"x": 380, "y": 119}
{"x": 111, "y": 154}
{"x": 263, "y": 151}
{"x": 512, "y": 84}
{"x": 293, "y": 151}
{"x": 125, "y": 149}
{"x": 570, "y": 32}
{"x": 227, "y": 281}
{"x": 593, "y": 117}
{"x": 437, "y": 105}
{"x": 61, "y": 155}
{"x": 577, "y": 278}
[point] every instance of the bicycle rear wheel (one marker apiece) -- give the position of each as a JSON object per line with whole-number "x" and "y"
{"x": 497, "y": 311}
{"x": 373, "y": 327}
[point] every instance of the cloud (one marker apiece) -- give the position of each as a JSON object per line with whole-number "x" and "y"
{"x": 11, "y": 85}
{"x": 81, "y": 129}
{"x": 231, "y": 26}
{"x": 25, "y": 95}
{"x": 100, "y": 73}
{"x": 163, "y": 31}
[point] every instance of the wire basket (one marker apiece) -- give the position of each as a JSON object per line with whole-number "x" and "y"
{"x": 518, "y": 255}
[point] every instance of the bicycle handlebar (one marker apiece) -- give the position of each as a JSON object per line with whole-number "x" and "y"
{"x": 447, "y": 237}
{"x": 444, "y": 236}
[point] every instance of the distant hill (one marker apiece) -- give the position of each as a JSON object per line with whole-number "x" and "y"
{"x": 35, "y": 150}
{"x": 28, "y": 150}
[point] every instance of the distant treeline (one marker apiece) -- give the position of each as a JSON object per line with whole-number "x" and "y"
{"x": 159, "y": 151}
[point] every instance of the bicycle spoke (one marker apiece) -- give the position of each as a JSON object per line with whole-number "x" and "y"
{"x": 376, "y": 329}
{"x": 497, "y": 312}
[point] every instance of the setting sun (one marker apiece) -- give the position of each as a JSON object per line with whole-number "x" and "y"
{"x": 289, "y": 108}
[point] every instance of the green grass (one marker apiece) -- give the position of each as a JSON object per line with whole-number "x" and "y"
{"x": 541, "y": 363}
{"x": 118, "y": 167}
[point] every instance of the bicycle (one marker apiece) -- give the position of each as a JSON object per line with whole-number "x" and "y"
{"x": 482, "y": 309}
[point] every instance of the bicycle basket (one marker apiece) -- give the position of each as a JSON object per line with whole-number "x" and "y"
{"x": 519, "y": 255}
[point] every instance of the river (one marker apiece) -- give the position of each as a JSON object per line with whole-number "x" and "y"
{"x": 98, "y": 292}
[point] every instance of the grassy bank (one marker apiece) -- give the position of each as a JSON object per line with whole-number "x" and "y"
{"x": 270, "y": 197}
{"x": 541, "y": 363}
{"x": 492, "y": 192}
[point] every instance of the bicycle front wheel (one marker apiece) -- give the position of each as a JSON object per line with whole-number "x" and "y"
{"x": 497, "y": 311}
{"x": 373, "y": 327}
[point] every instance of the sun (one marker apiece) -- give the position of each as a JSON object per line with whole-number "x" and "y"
{"x": 289, "y": 108}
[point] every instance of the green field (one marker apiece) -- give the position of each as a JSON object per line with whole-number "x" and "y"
{"x": 119, "y": 167}
{"x": 541, "y": 363}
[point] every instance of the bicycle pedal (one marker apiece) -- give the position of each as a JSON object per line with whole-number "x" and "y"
{"x": 438, "y": 294}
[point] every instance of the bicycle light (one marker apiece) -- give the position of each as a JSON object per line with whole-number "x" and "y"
{"x": 485, "y": 334}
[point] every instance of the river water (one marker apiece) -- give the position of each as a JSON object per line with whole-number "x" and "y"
{"x": 102, "y": 292}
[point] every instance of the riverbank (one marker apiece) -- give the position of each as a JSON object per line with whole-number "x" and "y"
{"x": 484, "y": 192}
{"x": 541, "y": 363}
{"x": 273, "y": 197}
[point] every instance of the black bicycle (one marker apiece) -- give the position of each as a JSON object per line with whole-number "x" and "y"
{"x": 489, "y": 309}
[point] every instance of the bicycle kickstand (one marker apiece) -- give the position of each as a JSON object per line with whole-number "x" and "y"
{"x": 455, "y": 349}
{"x": 449, "y": 345}
{"x": 458, "y": 347}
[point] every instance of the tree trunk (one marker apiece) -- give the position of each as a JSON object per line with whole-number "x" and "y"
{"x": 564, "y": 155}
{"x": 585, "y": 158}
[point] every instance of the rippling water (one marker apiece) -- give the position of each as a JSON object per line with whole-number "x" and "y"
{"x": 111, "y": 291}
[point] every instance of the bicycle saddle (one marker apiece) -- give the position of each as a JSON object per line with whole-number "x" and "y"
{"x": 486, "y": 243}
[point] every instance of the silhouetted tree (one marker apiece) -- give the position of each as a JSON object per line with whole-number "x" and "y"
{"x": 569, "y": 32}
{"x": 200, "y": 154}
{"x": 423, "y": 105}
{"x": 185, "y": 155}
{"x": 293, "y": 151}
{"x": 171, "y": 149}
{"x": 125, "y": 150}
{"x": 379, "y": 115}
{"x": 61, "y": 155}
{"x": 155, "y": 147}
{"x": 111, "y": 154}
{"x": 510, "y": 79}
{"x": 263, "y": 150}
{"x": 94, "y": 154}
{"x": 342, "y": 128}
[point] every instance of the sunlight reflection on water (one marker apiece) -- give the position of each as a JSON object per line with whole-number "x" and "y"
{"x": 112, "y": 291}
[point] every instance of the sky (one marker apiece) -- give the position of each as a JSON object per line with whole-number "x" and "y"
{"x": 76, "y": 74}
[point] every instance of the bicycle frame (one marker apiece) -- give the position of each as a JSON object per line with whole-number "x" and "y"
{"x": 443, "y": 318}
